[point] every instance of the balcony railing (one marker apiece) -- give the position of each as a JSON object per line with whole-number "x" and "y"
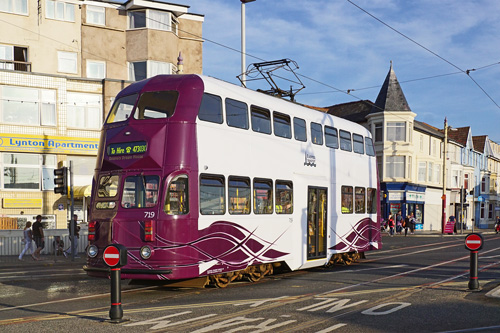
{"x": 15, "y": 65}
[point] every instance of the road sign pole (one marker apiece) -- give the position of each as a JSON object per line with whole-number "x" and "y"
{"x": 116, "y": 311}
{"x": 473, "y": 279}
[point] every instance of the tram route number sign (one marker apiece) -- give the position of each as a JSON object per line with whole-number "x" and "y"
{"x": 115, "y": 255}
{"x": 474, "y": 242}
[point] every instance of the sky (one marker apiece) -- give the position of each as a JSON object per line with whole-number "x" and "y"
{"x": 342, "y": 45}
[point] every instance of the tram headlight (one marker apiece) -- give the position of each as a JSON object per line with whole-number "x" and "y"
{"x": 146, "y": 252}
{"x": 92, "y": 251}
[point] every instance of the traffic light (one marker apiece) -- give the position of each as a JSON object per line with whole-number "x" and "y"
{"x": 61, "y": 181}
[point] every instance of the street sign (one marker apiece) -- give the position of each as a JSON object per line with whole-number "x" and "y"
{"x": 115, "y": 255}
{"x": 473, "y": 242}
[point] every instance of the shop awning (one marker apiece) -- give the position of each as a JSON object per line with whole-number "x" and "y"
{"x": 82, "y": 191}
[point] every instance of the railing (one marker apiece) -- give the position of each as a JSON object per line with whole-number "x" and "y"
{"x": 8, "y": 223}
{"x": 11, "y": 241}
{"x": 15, "y": 65}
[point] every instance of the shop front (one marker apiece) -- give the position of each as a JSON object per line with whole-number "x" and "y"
{"x": 405, "y": 198}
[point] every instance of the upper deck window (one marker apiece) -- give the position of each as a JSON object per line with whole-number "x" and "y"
{"x": 345, "y": 141}
{"x": 299, "y": 129}
{"x": 140, "y": 191}
{"x": 211, "y": 109}
{"x": 261, "y": 120}
{"x": 316, "y": 134}
{"x": 156, "y": 104}
{"x": 370, "y": 151}
{"x": 122, "y": 109}
{"x": 331, "y": 137}
{"x": 358, "y": 146}
{"x": 236, "y": 114}
{"x": 282, "y": 125}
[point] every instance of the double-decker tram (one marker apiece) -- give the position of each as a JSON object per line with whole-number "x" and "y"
{"x": 207, "y": 182}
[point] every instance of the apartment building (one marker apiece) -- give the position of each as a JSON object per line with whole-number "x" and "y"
{"x": 413, "y": 159}
{"x": 61, "y": 64}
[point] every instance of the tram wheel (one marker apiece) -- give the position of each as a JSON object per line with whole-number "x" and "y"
{"x": 220, "y": 280}
{"x": 257, "y": 272}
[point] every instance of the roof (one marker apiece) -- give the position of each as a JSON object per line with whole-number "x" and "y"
{"x": 426, "y": 128}
{"x": 460, "y": 135}
{"x": 479, "y": 143}
{"x": 391, "y": 96}
{"x": 353, "y": 111}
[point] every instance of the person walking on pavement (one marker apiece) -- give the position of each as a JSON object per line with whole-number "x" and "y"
{"x": 406, "y": 224}
{"x": 27, "y": 240}
{"x": 390, "y": 222}
{"x": 399, "y": 223}
{"x": 38, "y": 237}
{"x": 412, "y": 223}
{"x": 74, "y": 240}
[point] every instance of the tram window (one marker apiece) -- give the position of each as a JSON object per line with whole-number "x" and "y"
{"x": 299, "y": 129}
{"x": 239, "y": 191}
{"x": 358, "y": 144}
{"x": 156, "y": 104}
{"x": 262, "y": 196}
{"x": 122, "y": 109}
{"x": 211, "y": 109}
{"x": 346, "y": 199}
{"x": 282, "y": 125}
{"x": 316, "y": 134}
{"x": 370, "y": 151}
{"x": 345, "y": 141}
{"x": 371, "y": 200}
{"x": 140, "y": 191}
{"x": 331, "y": 137}
{"x": 284, "y": 197}
{"x": 261, "y": 120}
{"x": 359, "y": 200}
{"x": 236, "y": 113}
{"x": 108, "y": 186}
{"x": 177, "y": 200}
{"x": 212, "y": 199}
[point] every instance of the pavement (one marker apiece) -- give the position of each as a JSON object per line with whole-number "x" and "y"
{"x": 52, "y": 262}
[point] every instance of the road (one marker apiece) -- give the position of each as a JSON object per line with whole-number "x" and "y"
{"x": 414, "y": 284}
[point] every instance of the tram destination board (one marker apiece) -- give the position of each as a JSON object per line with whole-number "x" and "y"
{"x": 127, "y": 148}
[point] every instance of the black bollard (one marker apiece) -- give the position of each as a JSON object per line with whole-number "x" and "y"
{"x": 473, "y": 279}
{"x": 116, "y": 311}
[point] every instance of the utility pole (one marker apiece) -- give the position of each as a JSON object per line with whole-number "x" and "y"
{"x": 443, "y": 217}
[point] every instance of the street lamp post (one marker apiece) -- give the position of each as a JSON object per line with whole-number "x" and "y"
{"x": 243, "y": 42}
{"x": 443, "y": 218}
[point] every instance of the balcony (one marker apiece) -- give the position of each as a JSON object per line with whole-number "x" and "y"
{"x": 15, "y": 65}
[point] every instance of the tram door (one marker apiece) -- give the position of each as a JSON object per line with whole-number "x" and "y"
{"x": 316, "y": 222}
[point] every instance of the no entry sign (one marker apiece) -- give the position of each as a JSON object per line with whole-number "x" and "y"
{"x": 473, "y": 242}
{"x": 115, "y": 255}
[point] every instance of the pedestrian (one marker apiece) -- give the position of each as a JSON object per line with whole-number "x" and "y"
{"x": 399, "y": 223}
{"x": 406, "y": 224}
{"x": 390, "y": 222}
{"x": 74, "y": 240}
{"x": 38, "y": 237}
{"x": 27, "y": 240}
{"x": 412, "y": 223}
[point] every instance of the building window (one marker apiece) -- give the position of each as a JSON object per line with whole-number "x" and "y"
{"x": 466, "y": 181}
{"x": 437, "y": 173}
{"x": 409, "y": 167}
{"x": 14, "y": 58}
{"x": 29, "y": 106}
{"x": 211, "y": 109}
{"x": 141, "y": 70}
{"x": 96, "y": 69}
{"x": 396, "y": 131}
{"x": 490, "y": 211}
{"x": 84, "y": 110}
{"x": 67, "y": 62}
{"x": 379, "y": 132}
{"x": 153, "y": 19}
{"x": 59, "y": 10}
{"x": 96, "y": 15}
{"x": 422, "y": 171}
{"x": 430, "y": 173}
{"x": 395, "y": 166}
{"x": 236, "y": 114}
{"x": 14, "y": 6}
{"x": 239, "y": 195}
{"x": 28, "y": 171}
{"x": 483, "y": 185}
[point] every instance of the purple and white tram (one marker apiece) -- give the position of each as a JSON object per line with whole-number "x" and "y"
{"x": 206, "y": 181}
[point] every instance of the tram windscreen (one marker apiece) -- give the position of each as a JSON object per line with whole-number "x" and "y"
{"x": 140, "y": 191}
{"x": 156, "y": 104}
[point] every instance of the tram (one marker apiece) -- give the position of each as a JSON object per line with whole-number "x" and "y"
{"x": 207, "y": 182}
